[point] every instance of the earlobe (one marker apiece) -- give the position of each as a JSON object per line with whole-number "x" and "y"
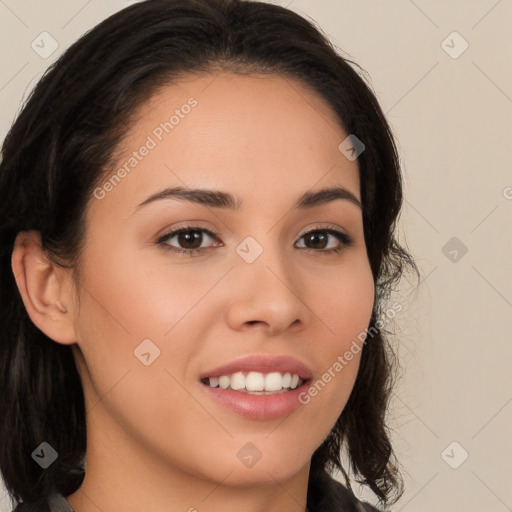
{"x": 41, "y": 289}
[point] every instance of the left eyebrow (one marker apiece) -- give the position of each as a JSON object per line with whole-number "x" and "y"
{"x": 219, "y": 199}
{"x": 326, "y": 195}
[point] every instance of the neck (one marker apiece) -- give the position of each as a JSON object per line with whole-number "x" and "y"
{"x": 121, "y": 475}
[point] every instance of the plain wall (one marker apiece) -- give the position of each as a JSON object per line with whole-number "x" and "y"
{"x": 451, "y": 115}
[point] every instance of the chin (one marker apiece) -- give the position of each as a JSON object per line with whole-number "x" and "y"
{"x": 262, "y": 467}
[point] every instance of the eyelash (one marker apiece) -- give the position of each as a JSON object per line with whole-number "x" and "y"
{"x": 345, "y": 239}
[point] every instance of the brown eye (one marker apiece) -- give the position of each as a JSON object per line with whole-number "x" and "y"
{"x": 319, "y": 240}
{"x": 187, "y": 239}
{"x": 190, "y": 239}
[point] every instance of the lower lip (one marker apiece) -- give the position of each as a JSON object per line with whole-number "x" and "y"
{"x": 259, "y": 407}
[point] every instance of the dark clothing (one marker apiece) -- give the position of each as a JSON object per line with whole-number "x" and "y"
{"x": 324, "y": 495}
{"x": 327, "y": 495}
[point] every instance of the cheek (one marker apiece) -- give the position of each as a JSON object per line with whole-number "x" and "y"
{"x": 344, "y": 306}
{"x": 131, "y": 300}
{"x": 123, "y": 306}
{"x": 124, "y": 303}
{"x": 344, "y": 309}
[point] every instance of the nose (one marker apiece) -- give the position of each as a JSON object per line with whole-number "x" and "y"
{"x": 267, "y": 295}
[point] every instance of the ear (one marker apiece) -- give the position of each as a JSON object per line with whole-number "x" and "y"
{"x": 43, "y": 288}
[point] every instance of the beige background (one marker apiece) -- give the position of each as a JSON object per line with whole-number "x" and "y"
{"x": 452, "y": 117}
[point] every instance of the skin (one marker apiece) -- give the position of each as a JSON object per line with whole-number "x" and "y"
{"x": 156, "y": 440}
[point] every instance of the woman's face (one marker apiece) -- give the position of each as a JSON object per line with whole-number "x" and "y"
{"x": 155, "y": 322}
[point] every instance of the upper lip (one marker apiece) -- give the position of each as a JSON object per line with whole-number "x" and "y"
{"x": 262, "y": 363}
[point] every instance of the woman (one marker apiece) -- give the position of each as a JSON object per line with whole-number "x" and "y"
{"x": 198, "y": 205}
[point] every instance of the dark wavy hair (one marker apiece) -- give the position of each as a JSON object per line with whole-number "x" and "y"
{"x": 63, "y": 144}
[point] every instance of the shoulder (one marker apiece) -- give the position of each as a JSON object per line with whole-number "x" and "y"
{"x": 328, "y": 495}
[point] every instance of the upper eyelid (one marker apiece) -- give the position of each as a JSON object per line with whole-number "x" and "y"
{"x": 326, "y": 227}
{"x": 175, "y": 231}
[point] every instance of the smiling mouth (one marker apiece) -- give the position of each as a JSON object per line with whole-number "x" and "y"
{"x": 256, "y": 383}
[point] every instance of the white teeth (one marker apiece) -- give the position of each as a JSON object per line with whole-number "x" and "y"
{"x": 256, "y": 381}
{"x": 224, "y": 382}
{"x": 237, "y": 381}
{"x": 273, "y": 381}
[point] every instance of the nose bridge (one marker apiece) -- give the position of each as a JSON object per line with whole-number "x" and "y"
{"x": 264, "y": 261}
{"x": 268, "y": 291}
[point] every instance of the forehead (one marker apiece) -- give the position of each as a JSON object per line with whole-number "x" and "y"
{"x": 262, "y": 137}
